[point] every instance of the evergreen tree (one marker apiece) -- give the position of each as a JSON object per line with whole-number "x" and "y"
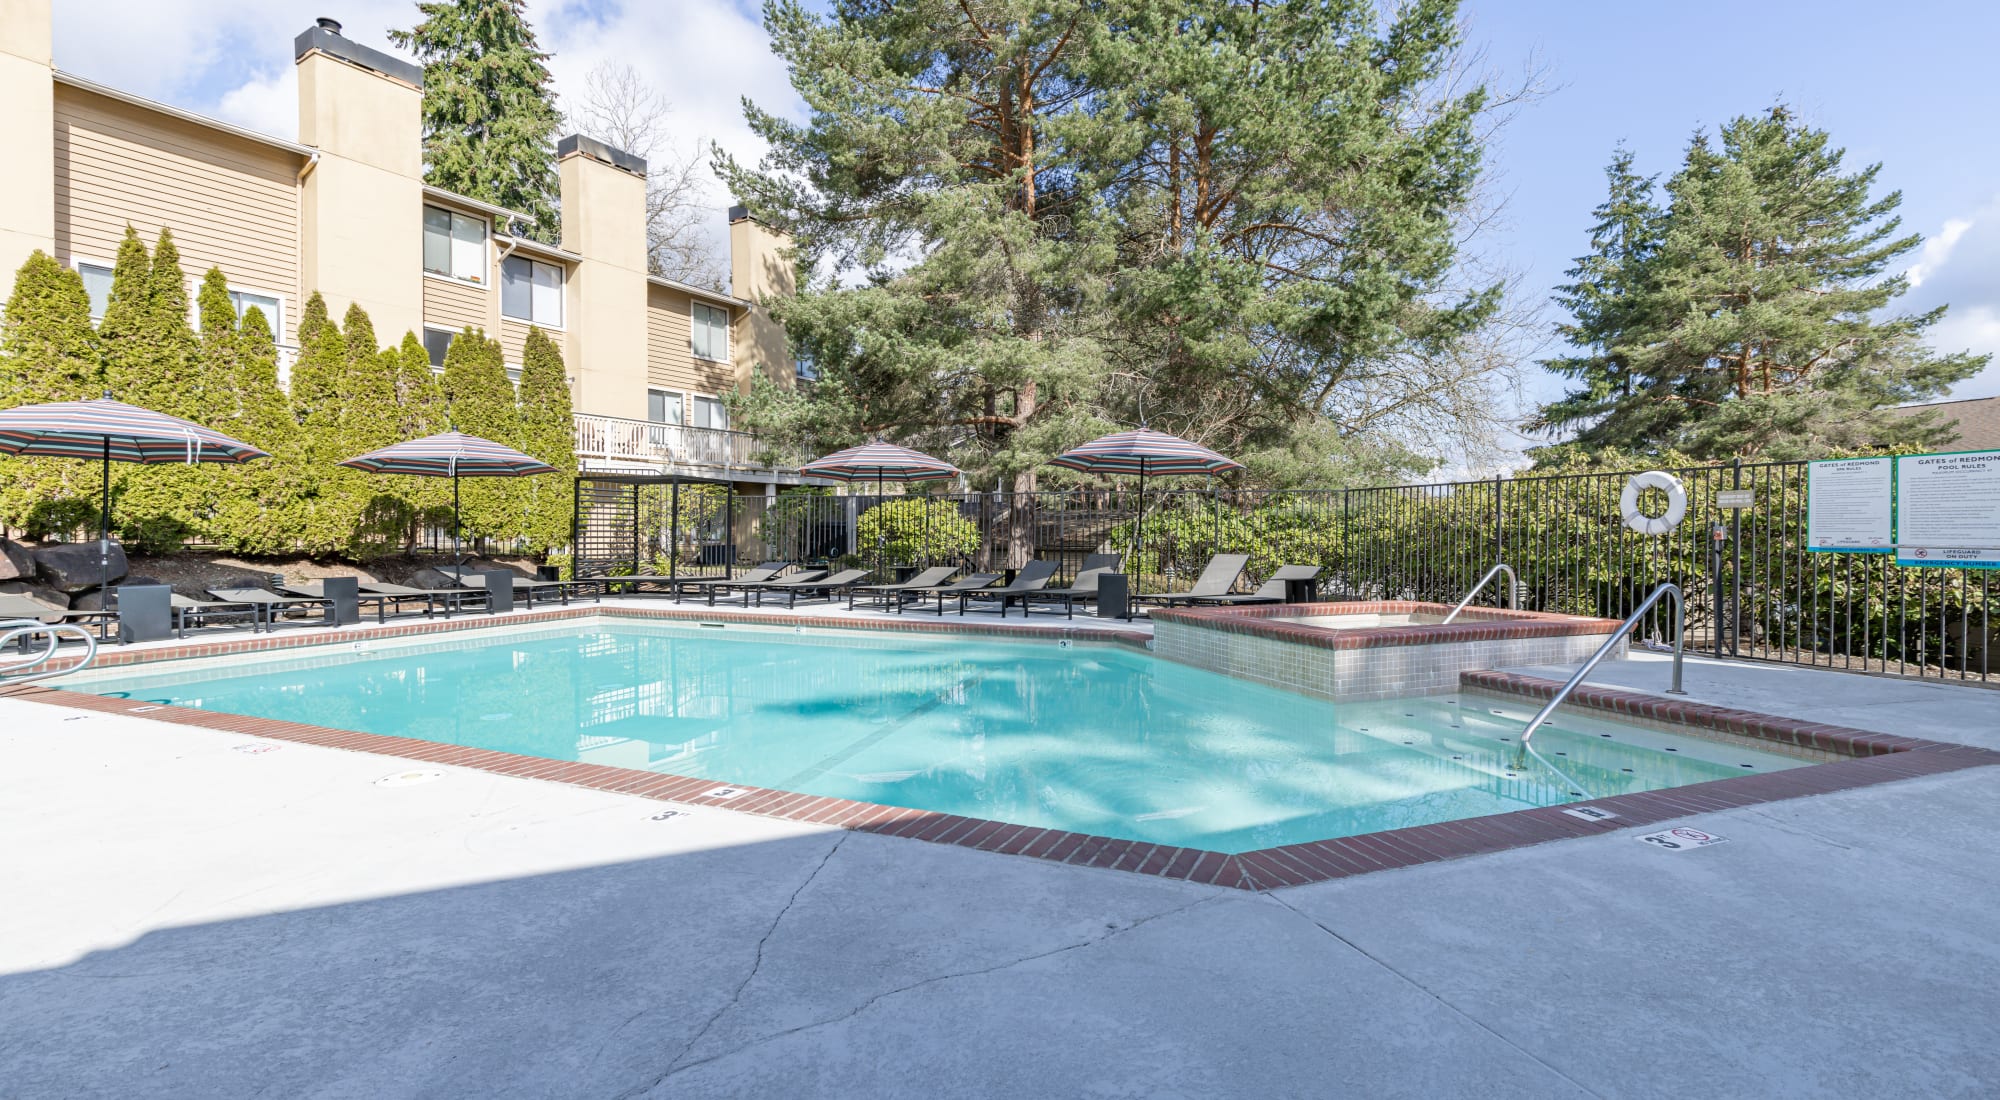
{"x": 482, "y": 403}
{"x": 315, "y": 378}
{"x": 1761, "y": 327}
{"x": 549, "y": 433}
{"x": 421, "y": 403}
{"x": 325, "y": 525}
{"x": 152, "y": 360}
{"x": 48, "y": 352}
{"x": 490, "y": 116}
{"x": 313, "y": 317}
{"x": 258, "y": 510}
{"x": 1236, "y": 221}
{"x": 1609, "y": 300}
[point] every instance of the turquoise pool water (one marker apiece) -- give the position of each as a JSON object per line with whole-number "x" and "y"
{"x": 1095, "y": 739}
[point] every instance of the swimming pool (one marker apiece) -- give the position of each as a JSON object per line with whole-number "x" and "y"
{"x": 1094, "y": 739}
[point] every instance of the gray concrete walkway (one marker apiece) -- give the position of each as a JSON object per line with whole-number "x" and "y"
{"x": 193, "y": 913}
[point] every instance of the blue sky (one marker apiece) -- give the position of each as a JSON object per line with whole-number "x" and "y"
{"x": 1908, "y": 84}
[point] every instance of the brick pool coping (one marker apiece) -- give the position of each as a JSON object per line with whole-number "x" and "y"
{"x": 1880, "y": 758}
{"x": 1475, "y": 624}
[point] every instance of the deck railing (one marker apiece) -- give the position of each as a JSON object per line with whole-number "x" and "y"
{"x": 615, "y": 440}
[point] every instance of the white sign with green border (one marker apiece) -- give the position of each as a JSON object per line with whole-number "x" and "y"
{"x": 1948, "y": 510}
{"x": 1850, "y": 506}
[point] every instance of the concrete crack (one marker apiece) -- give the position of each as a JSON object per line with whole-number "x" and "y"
{"x": 865, "y": 1005}
{"x": 757, "y": 963}
{"x": 1433, "y": 995}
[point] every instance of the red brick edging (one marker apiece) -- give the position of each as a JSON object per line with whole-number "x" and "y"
{"x": 1475, "y": 624}
{"x": 1886, "y": 758}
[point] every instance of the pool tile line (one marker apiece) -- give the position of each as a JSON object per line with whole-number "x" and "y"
{"x": 1475, "y": 623}
{"x": 1878, "y": 758}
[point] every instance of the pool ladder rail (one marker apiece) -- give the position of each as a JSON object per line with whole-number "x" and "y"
{"x": 29, "y": 668}
{"x": 1611, "y": 643}
{"x": 1513, "y": 591}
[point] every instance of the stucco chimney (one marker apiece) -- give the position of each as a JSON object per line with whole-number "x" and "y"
{"x": 604, "y": 221}
{"x": 760, "y": 269}
{"x": 363, "y": 226}
{"x": 28, "y": 182}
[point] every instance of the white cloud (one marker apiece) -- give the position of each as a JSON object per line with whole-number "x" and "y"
{"x": 1937, "y": 250}
{"x": 267, "y": 103}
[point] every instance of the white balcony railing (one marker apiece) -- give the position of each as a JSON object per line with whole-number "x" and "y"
{"x": 616, "y": 441}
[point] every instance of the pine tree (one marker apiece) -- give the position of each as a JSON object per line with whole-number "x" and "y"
{"x": 1763, "y": 328}
{"x": 548, "y": 432}
{"x": 48, "y": 352}
{"x": 482, "y": 404}
{"x": 490, "y": 116}
{"x": 1609, "y": 300}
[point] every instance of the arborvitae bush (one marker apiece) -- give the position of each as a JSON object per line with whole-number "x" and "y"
{"x": 482, "y": 404}
{"x": 258, "y": 510}
{"x": 547, "y": 432}
{"x": 152, "y": 360}
{"x": 421, "y": 407}
{"x": 48, "y": 352}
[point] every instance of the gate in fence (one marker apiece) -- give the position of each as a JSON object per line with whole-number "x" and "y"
{"x": 1754, "y": 590}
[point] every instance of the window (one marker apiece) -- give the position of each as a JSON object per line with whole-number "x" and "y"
{"x": 269, "y": 305}
{"x": 664, "y": 407}
{"x": 710, "y": 327}
{"x": 531, "y": 291}
{"x": 802, "y": 366}
{"x": 437, "y": 341}
{"x": 454, "y": 245}
{"x": 710, "y": 413}
{"x": 97, "y": 284}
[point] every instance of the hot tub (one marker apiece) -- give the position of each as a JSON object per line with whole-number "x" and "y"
{"x": 1376, "y": 649}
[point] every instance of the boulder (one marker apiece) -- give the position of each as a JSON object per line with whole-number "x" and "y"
{"x": 431, "y": 578}
{"x": 73, "y": 566}
{"x": 16, "y": 563}
{"x": 92, "y": 600}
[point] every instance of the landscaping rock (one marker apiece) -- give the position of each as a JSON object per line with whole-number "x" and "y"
{"x": 16, "y": 563}
{"x": 92, "y": 600}
{"x": 431, "y": 578}
{"x": 73, "y": 566}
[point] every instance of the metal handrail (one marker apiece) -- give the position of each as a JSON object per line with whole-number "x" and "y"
{"x": 1611, "y": 643}
{"x": 27, "y": 628}
{"x": 1513, "y": 590}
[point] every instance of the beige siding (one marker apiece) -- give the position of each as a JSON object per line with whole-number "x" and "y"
{"x": 229, "y": 202}
{"x": 451, "y": 304}
{"x": 670, "y": 361}
{"x": 513, "y": 338}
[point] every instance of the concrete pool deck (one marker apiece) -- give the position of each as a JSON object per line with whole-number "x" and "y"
{"x": 191, "y": 912}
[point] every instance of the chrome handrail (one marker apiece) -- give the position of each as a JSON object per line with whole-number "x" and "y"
{"x": 1513, "y": 591}
{"x": 20, "y": 628}
{"x": 1611, "y": 643}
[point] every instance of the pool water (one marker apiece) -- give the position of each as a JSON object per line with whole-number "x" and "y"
{"x": 1094, "y": 739}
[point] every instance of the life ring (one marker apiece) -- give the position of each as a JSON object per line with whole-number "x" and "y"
{"x": 1677, "y": 503}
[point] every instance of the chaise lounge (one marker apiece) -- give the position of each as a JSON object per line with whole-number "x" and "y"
{"x": 925, "y": 581}
{"x": 1271, "y": 591}
{"x": 1033, "y": 577}
{"x": 1216, "y": 579}
{"x": 1082, "y": 589}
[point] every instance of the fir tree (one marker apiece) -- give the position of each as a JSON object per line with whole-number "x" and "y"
{"x": 1763, "y": 326}
{"x": 490, "y": 116}
{"x": 548, "y": 432}
{"x": 48, "y": 352}
{"x": 482, "y": 403}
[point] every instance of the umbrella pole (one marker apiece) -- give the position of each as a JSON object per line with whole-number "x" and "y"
{"x": 881, "y": 529}
{"x": 1139, "y": 528}
{"x": 104, "y": 532}
{"x": 457, "y": 557}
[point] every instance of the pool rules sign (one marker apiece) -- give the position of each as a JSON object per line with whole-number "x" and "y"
{"x": 1948, "y": 510}
{"x": 1929, "y": 510}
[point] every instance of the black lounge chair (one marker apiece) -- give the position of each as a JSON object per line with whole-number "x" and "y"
{"x": 1216, "y": 579}
{"x": 928, "y": 579}
{"x": 528, "y": 588}
{"x": 944, "y": 592}
{"x": 1033, "y": 577}
{"x": 270, "y": 604}
{"x": 746, "y": 589}
{"x": 844, "y": 580}
{"x": 14, "y": 605}
{"x": 1082, "y": 589}
{"x": 768, "y": 571}
{"x": 1271, "y": 591}
{"x": 186, "y": 611}
{"x": 448, "y": 599}
{"x": 384, "y": 604}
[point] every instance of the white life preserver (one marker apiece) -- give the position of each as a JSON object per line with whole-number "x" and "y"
{"x": 1677, "y": 503}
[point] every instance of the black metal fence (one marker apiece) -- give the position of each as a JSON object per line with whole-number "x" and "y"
{"x": 1753, "y": 589}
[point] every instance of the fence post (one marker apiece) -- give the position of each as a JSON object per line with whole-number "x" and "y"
{"x": 1736, "y": 566}
{"x": 635, "y": 527}
{"x": 674, "y": 535}
{"x": 575, "y": 523}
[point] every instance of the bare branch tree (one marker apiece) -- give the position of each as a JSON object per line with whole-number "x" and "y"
{"x": 617, "y": 106}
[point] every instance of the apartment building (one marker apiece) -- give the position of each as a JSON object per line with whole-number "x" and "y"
{"x": 344, "y": 211}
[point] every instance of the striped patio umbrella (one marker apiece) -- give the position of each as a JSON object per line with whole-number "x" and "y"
{"x": 112, "y": 431}
{"x": 882, "y": 462}
{"x": 1143, "y": 451}
{"x": 453, "y": 455}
